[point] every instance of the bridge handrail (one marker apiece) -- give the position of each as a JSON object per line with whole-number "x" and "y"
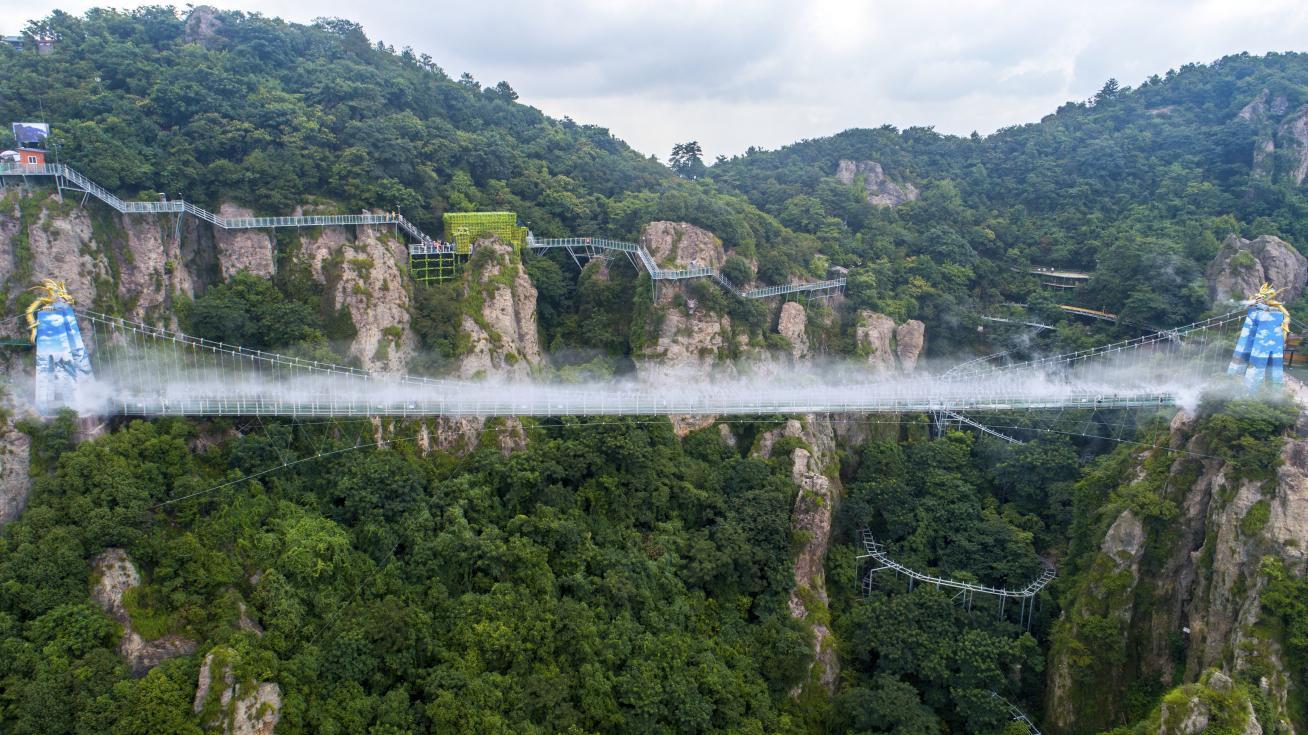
{"x": 267, "y": 357}
{"x": 659, "y": 274}
{"x": 1170, "y": 335}
{"x": 876, "y": 551}
{"x": 180, "y": 206}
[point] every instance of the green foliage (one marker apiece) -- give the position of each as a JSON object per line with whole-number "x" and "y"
{"x": 1255, "y": 519}
{"x": 1285, "y": 602}
{"x": 251, "y": 312}
{"x": 1247, "y": 433}
{"x": 603, "y": 579}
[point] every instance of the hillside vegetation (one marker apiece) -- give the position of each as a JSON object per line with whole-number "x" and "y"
{"x": 642, "y": 575}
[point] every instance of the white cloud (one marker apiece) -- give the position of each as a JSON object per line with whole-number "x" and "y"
{"x": 770, "y": 72}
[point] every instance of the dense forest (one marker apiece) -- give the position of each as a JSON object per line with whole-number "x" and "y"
{"x": 625, "y": 575}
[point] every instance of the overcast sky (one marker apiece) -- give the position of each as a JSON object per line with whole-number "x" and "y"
{"x": 767, "y": 73}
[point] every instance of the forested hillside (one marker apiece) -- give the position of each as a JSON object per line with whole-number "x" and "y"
{"x": 1138, "y": 186}
{"x": 641, "y": 574}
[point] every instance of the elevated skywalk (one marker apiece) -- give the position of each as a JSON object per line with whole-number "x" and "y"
{"x": 68, "y": 179}
{"x": 146, "y": 371}
{"x": 595, "y": 245}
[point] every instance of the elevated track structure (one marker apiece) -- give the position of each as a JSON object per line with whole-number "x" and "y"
{"x": 964, "y": 592}
{"x": 67, "y": 179}
{"x": 596, "y": 247}
{"x": 1017, "y": 715}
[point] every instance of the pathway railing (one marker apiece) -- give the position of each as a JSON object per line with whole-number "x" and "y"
{"x": 660, "y": 274}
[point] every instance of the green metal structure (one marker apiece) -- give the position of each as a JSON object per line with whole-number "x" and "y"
{"x": 465, "y": 228}
{"x": 441, "y": 262}
{"x": 434, "y": 267}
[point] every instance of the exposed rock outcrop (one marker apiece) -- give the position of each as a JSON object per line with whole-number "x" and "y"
{"x": 363, "y": 275}
{"x": 793, "y": 325}
{"x": 910, "y": 338}
{"x": 889, "y": 348}
{"x": 152, "y": 270}
{"x": 115, "y": 574}
{"x": 1241, "y": 266}
{"x": 881, "y": 191}
{"x": 1282, "y": 148}
{"x": 142, "y": 263}
{"x": 14, "y": 480}
{"x": 243, "y": 250}
{"x": 689, "y": 337}
{"x": 1292, "y": 137}
{"x": 1217, "y": 703}
{"x": 682, "y": 245}
{"x": 503, "y": 339}
{"x": 1260, "y": 107}
{"x": 202, "y": 26}
{"x": 235, "y": 708}
{"x": 1199, "y": 606}
{"x": 815, "y": 504}
{"x": 61, "y": 245}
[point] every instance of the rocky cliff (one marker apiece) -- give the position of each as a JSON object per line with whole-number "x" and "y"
{"x": 361, "y": 271}
{"x": 499, "y": 319}
{"x": 880, "y": 190}
{"x": 1281, "y": 150}
{"x": 231, "y": 707}
{"x": 115, "y": 575}
{"x": 14, "y": 480}
{"x": 687, "y": 335}
{"x": 1241, "y": 266}
{"x": 1175, "y": 585}
{"x": 887, "y": 347}
{"x": 139, "y": 266}
{"x": 499, "y": 340}
{"x": 815, "y": 470}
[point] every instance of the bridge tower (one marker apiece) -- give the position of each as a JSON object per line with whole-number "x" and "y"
{"x": 1260, "y": 349}
{"x": 63, "y": 368}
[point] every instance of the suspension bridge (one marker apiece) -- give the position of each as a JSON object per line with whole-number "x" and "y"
{"x": 66, "y": 179}
{"x": 113, "y": 366}
{"x": 126, "y": 368}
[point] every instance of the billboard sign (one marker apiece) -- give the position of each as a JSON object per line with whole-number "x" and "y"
{"x": 27, "y": 133}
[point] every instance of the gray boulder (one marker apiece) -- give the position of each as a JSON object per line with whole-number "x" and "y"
{"x": 1241, "y": 266}
{"x": 881, "y": 191}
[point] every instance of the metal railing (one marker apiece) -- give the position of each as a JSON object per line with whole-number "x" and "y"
{"x": 659, "y": 274}
{"x": 67, "y": 175}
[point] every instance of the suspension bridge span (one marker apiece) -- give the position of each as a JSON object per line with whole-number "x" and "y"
{"x": 67, "y": 179}
{"x": 104, "y": 365}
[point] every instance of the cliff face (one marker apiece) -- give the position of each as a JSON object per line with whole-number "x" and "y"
{"x": 815, "y": 471}
{"x": 880, "y": 190}
{"x": 1241, "y": 266}
{"x": 500, "y": 319}
{"x": 115, "y": 574}
{"x": 362, "y": 274}
{"x": 139, "y": 266}
{"x": 687, "y": 334}
{"x": 1281, "y": 150}
{"x": 1178, "y": 592}
{"x": 500, "y": 341}
{"x": 889, "y": 348}
{"x": 14, "y": 480}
